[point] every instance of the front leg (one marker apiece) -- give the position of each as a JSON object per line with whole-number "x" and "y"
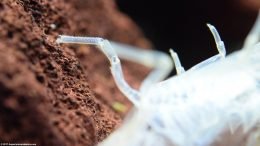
{"x": 104, "y": 45}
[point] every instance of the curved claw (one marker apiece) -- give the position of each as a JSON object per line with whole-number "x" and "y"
{"x": 176, "y": 60}
{"x": 219, "y": 43}
{"x": 220, "y": 46}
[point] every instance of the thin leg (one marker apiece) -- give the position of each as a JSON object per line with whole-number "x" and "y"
{"x": 160, "y": 62}
{"x": 219, "y": 43}
{"x": 116, "y": 69}
{"x": 177, "y": 63}
{"x": 254, "y": 35}
{"x": 220, "y": 46}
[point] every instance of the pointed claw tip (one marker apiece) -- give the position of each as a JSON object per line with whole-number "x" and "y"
{"x": 171, "y": 51}
{"x": 210, "y": 26}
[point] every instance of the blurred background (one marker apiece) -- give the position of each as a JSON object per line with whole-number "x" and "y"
{"x": 181, "y": 24}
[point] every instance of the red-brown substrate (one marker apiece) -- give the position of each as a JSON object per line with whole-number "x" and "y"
{"x": 60, "y": 95}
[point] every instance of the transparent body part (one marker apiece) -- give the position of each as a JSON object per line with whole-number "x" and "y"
{"x": 161, "y": 62}
{"x": 219, "y": 43}
{"x": 195, "y": 108}
{"x": 220, "y": 46}
{"x": 199, "y": 106}
{"x": 254, "y": 35}
{"x": 191, "y": 109}
{"x": 177, "y": 63}
{"x": 107, "y": 49}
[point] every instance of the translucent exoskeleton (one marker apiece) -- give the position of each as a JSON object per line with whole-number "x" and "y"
{"x": 161, "y": 62}
{"x": 192, "y": 108}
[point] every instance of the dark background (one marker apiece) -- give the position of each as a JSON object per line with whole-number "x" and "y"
{"x": 181, "y": 25}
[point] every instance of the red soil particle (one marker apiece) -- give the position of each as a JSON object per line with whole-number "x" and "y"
{"x": 57, "y": 94}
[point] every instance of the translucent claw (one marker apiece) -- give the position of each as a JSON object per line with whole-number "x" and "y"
{"x": 220, "y": 46}
{"x": 176, "y": 60}
{"x": 219, "y": 43}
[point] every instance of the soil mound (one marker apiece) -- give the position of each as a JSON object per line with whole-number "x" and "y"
{"x": 61, "y": 95}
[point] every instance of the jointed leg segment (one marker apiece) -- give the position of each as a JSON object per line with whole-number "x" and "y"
{"x": 110, "y": 53}
{"x": 161, "y": 63}
{"x": 220, "y": 46}
{"x": 219, "y": 43}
